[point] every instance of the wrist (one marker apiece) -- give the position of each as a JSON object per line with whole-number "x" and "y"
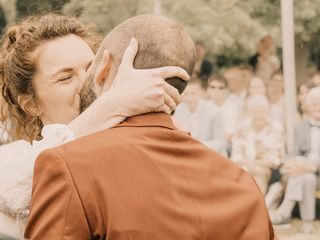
{"x": 77, "y": 127}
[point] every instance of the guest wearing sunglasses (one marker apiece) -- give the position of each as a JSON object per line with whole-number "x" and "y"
{"x": 218, "y": 92}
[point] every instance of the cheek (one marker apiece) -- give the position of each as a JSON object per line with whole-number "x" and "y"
{"x": 61, "y": 97}
{"x": 69, "y": 96}
{"x": 45, "y": 97}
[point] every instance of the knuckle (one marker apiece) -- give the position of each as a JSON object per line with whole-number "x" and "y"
{"x": 160, "y": 93}
{"x": 160, "y": 83}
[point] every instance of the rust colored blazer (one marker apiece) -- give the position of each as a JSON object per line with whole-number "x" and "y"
{"x": 143, "y": 180}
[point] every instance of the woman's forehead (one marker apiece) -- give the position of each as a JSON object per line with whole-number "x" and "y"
{"x": 69, "y": 51}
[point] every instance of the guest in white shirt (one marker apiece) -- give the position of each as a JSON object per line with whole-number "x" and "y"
{"x": 268, "y": 62}
{"x": 301, "y": 167}
{"x": 237, "y": 85}
{"x": 258, "y": 145}
{"x": 218, "y": 93}
{"x": 256, "y": 86}
{"x": 275, "y": 91}
{"x": 316, "y": 79}
{"x": 303, "y": 90}
{"x": 201, "y": 118}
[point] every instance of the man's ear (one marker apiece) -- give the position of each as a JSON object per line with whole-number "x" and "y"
{"x": 26, "y": 102}
{"x": 103, "y": 69}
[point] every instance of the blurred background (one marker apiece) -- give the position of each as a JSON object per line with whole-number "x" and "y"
{"x": 229, "y": 29}
{"x": 239, "y": 47}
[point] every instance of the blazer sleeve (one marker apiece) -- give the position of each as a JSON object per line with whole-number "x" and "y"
{"x": 56, "y": 209}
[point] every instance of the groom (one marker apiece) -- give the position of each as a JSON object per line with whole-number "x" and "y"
{"x": 144, "y": 179}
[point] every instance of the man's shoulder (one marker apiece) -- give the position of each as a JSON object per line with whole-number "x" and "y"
{"x": 106, "y": 141}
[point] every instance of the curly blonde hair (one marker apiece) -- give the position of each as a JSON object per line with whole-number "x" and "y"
{"x": 18, "y": 67}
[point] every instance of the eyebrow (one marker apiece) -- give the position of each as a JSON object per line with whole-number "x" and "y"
{"x": 69, "y": 69}
{"x": 62, "y": 70}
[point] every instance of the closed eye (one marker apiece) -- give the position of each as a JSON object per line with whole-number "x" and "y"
{"x": 65, "y": 78}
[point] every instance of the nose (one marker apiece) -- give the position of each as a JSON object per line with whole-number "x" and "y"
{"x": 82, "y": 78}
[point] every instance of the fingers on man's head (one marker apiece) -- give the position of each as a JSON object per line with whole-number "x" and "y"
{"x": 130, "y": 53}
{"x": 172, "y": 71}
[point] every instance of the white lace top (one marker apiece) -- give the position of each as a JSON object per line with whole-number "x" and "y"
{"x": 16, "y": 171}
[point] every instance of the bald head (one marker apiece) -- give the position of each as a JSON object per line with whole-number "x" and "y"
{"x": 162, "y": 42}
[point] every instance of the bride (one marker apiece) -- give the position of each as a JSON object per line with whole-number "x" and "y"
{"x": 43, "y": 64}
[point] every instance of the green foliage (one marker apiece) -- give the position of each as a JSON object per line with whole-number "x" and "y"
{"x": 29, "y": 7}
{"x": 228, "y": 28}
{"x": 224, "y": 26}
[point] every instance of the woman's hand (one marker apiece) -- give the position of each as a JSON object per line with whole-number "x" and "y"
{"x": 134, "y": 92}
{"x": 140, "y": 91}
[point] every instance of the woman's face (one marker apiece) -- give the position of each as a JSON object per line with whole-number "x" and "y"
{"x": 256, "y": 86}
{"x": 61, "y": 69}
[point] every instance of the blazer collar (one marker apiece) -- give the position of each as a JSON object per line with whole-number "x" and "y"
{"x": 148, "y": 120}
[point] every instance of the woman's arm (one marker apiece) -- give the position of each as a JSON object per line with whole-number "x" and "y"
{"x": 16, "y": 169}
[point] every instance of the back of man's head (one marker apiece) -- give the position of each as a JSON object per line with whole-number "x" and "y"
{"x": 162, "y": 42}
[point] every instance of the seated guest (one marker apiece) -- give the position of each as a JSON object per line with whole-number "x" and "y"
{"x": 266, "y": 60}
{"x": 218, "y": 93}
{"x": 258, "y": 145}
{"x": 256, "y": 86}
{"x": 201, "y": 118}
{"x": 237, "y": 84}
{"x": 303, "y": 90}
{"x": 301, "y": 167}
{"x": 275, "y": 91}
{"x": 247, "y": 72}
{"x": 316, "y": 79}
